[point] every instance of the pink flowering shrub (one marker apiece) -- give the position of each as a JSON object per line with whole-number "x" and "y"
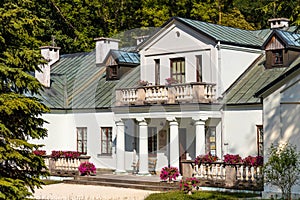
{"x": 169, "y": 173}
{"x": 65, "y": 154}
{"x": 232, "y": 159}
{"x": 253, "y": 161}
{"x": 207, "y": 158}
{"x": 39, "y": 152}
{"x": 188, "y": 184}
{"x": 87, "y": 168}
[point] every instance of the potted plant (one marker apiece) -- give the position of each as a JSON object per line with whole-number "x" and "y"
{"x": 171, "y": 81}
{"x": 232, "y": 159}
{"x": 143, "y": 83}
{"x": 207, "y": 158}
{"x": 87, "y": 168}
{"x": 253, "y": 161}
{"x": 169, "y": 173}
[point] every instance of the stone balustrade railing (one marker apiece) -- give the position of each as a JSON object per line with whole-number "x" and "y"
{"x": 64, "y": 166}
{"x": 167, "y": 94}
{"x": 220, "y": 174}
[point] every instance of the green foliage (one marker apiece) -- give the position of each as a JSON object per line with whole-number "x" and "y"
{"x": 20, "y": 112}
{"x": 181, "y": 195}
{"x": 75, "y": 23}
{"x": 283, "y": 168}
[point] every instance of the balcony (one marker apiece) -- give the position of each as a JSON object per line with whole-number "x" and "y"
{"x": 166, "y": 94}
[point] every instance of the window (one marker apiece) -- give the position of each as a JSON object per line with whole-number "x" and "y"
{"x": 277, "y": 57}
{"x": 157, "y": 71}
{"x": 106, "y": 140}
{"x": 178, "y": 69}
{"x": 199, "y": 68}
{"x": 152, "y": 140}
{"x": 112, "y": 72}
{"x": 210, "y": 140}
{"x": 260, "y": 140}
{"x": 81, "y": 139}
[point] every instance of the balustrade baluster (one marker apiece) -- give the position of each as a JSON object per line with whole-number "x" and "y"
{"x": 249, "y": 174}
{"x": 213, "y": 171}
{"x": 164, "y": 93}
{"x": 125, "y": 95}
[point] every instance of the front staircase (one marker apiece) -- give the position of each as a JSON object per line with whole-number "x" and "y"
{"x": 126, "y": 181}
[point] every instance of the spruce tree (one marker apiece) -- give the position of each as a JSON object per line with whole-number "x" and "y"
{"x": 20, "y": 110}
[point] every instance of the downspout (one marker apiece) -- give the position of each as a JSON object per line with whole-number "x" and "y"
{"x": 219, "y": 71}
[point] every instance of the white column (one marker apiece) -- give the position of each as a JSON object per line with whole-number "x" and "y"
{"x": 120, "y": 148}
{"x": 143, "y": 147}
{"x": 200, "y": 137}
{"x": 174, "y": 144}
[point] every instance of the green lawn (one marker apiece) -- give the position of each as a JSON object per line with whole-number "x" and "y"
{"x": 200, "y": 195}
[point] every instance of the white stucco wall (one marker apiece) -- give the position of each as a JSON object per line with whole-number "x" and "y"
{"x": 62, "y": 134}
{"x": 175, "y": 42}
{"x": 240, "y": 134}
{"x": 233, "y": 63}
{"x": 281, "y": 119}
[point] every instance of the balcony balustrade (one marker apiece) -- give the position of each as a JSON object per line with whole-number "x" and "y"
{"x": 64, "y": 166}
{"x": 222, "y": 175}
{"x": 166, "y": 94}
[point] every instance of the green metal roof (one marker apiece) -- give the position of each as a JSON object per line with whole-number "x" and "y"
{"x": 290, "y": 38}
{"x": 124, "y": 57}
{"x": 226, "y": 34}
{"x": 255, "y": 78}
{"x": 230, "y": 35}
{"x": 78, "y": 83}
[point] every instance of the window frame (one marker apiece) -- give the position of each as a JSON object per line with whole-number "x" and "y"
{"x": 209, "y": 143}
{"x": 260, "y": 140}
{"x": 152, "y": 141}
{"x": 112, "y": 72}
{"x": 157, "y": 71}
{"x": 83, "y": 149}
{"x": 199, "y": 65}
{"x": 277, "y": 60}
{"x": 107, "y": 141}
{"x": 178, "y": 75}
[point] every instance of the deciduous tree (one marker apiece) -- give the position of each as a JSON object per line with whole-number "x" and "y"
{"x": 282, "y": 168}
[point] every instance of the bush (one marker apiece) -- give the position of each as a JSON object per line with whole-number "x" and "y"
{"x": 188, "y": 184}
{"x": 169, "y": 173}
{"x": 87, "y": 168}
{"x": 283, "y": 168}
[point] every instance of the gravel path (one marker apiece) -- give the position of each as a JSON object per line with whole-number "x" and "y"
{"x": 64, "y": 191}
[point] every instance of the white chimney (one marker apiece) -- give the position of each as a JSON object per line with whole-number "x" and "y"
{"x": 103, "y": 46}
{"x": 141, "y": 39}
{"x": 279, "y": 23}
{"x": 51, "y": 55}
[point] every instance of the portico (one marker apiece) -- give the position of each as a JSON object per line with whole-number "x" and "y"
{"x": 167, "y": 137}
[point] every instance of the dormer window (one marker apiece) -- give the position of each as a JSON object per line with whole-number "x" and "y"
{"x": 277, "y": 57}
{"x": 112, "y": 72}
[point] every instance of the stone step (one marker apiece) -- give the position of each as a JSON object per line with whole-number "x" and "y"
{"x": 131, "y": 180}
{"x": 127, "y": 184}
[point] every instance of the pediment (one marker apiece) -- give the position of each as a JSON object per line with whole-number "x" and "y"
{"x": 274, "y": 43}
{"x": 176, "y": 38}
